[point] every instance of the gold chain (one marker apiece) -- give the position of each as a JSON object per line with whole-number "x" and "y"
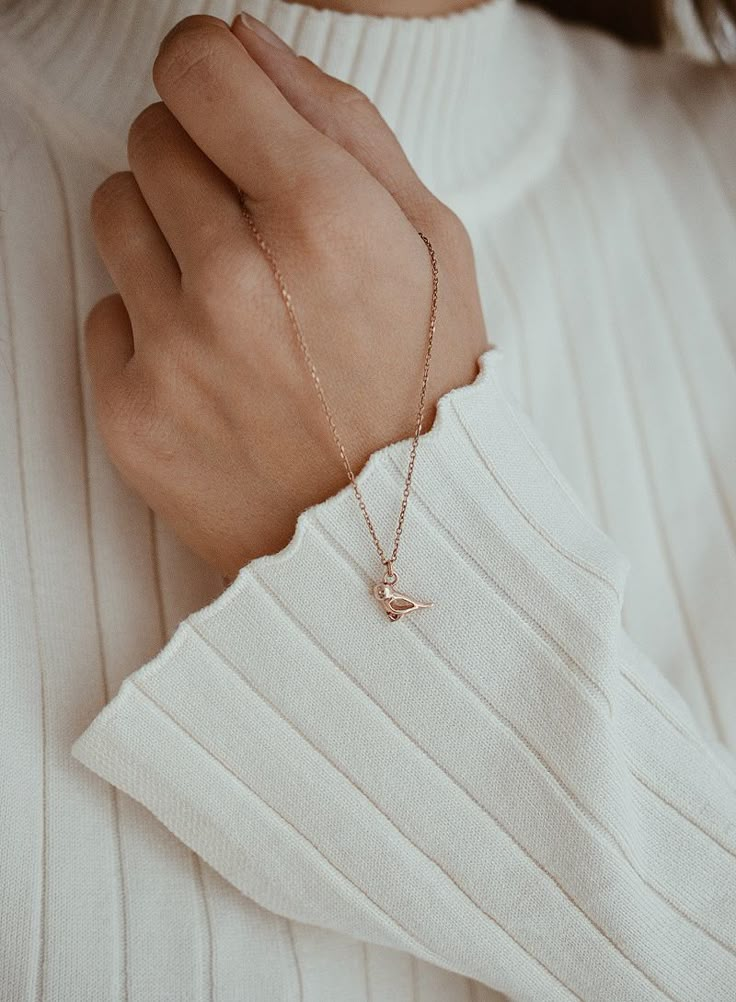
{"x": 388, "y": 562}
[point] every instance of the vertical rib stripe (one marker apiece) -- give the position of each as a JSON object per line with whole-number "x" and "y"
{"x": 196, "y": 863}
{"x": 40, "y": 944}
{"x": 123, "y": 987}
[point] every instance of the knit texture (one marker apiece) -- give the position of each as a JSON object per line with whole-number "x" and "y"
{"x": 295, "y": 799}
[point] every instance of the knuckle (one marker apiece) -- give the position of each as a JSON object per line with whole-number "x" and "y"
{"x": 320, "y": 190}
{"x": 101, "y": 321}
{"x": 352, "y": 110}
{"x": 97, "y": 318}
{"x": 318, "y": 224}
{"x": 352, "y": 99}
{"x": 452, "y": 230}
{"x": 148, "y": 127}
{"x": 219, "y": 266}
{"x": 189, "y": 49}
{"x": 108, "y": 196}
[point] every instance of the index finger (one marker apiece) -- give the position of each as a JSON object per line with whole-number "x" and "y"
{"x": 235, "y": 113}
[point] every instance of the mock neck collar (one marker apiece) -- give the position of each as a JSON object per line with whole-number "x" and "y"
{"x": 467, "y": 93}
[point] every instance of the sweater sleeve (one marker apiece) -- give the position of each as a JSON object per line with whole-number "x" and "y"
{"x": 502, "y": 785}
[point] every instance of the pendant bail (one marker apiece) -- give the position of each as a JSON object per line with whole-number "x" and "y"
{"x": 390, "y": 576}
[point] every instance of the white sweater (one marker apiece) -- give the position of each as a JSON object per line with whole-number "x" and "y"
{"x": 274, "y": 795}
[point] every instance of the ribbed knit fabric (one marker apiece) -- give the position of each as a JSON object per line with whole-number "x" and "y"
{"x": 295, "y": 799}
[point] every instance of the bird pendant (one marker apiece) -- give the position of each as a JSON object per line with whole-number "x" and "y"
{"x": 396, "y": 605}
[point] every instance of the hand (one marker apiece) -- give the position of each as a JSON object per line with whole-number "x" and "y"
{"x": 202, "y": 396}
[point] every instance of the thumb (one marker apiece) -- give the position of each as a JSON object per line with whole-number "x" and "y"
{"x": 341, "y": 112}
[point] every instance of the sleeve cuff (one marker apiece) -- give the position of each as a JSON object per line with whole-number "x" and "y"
{"x": 305, "y": 746}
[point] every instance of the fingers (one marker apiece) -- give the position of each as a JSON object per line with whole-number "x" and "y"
{"x": 340, "y": 112}
{"x": 235, "y": 113}
{"x": 134, "y": 250}
{"x": 194, "y": 204}
{"x": 109, "y": 343}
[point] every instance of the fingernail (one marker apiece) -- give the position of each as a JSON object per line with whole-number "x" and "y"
{"x": 260, "y": 29}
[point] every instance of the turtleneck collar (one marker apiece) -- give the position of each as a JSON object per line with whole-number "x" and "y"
{"x": 473, "y": 96}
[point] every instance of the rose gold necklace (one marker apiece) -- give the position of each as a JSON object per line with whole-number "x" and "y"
{"x": 394, "y": 604}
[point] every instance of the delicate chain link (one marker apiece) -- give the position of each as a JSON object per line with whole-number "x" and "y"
{"x": 388, "y": 562}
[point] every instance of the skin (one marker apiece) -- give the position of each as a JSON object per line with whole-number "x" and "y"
{"x": 202, "y": 396}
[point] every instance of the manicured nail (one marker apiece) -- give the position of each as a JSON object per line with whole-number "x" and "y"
{"x": 260, "y": 29}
